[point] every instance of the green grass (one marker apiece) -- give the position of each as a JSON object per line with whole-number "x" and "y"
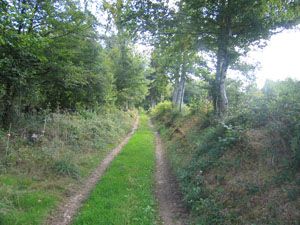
{"x": 20, "y": 204}
{"x": 125, "y": 193}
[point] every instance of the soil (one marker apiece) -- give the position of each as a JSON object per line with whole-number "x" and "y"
{"x": 68, "y": 209}
{"x": 171, "y": 207}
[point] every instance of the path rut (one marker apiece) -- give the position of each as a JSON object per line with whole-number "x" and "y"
{"x": 68, "y": 209}
{"x": 171, "y": 208}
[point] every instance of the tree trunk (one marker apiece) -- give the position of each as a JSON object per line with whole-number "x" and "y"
{"x": 22, "y": 6}
{"x": 176, "y": 88}
{"x": 223, "y": 59}
{"x": 153, "y": 102}
{"x": 179, "y": 88}
{"x": 221, "y": 101}
{"x": 182, "y": 92}
{"x": 31, "y": 21}
{"x": 85, "y": 2}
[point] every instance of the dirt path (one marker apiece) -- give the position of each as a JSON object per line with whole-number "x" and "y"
{"x": 68, "y": 209}
{"x": 171, "y": 208}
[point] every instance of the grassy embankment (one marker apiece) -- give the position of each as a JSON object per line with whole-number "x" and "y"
{"x": 244, "y": 169}
{"x": 125, "y": 193}
{"x": 36, "y": 174}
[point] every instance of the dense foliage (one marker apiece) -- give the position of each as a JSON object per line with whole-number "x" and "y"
{"x": 65, "y": 81}
{"x": 50, "y": 57}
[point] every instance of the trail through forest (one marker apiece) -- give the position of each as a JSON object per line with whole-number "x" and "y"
{"x": 171, "y": 207}
{"x": 72, "y": 75}
{"x": 171, "y": 210}
{"x": 68, "y": 208}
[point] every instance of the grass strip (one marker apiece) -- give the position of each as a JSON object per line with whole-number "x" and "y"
{"x": 125, "y": 193}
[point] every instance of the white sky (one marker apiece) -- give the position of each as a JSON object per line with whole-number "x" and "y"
{"x": 280, "y": 59}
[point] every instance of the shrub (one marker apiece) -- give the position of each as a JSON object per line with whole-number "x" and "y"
{"x": 200, "y": 106}
{"x": 59, "y": 136}
{"x": 161, "y": 110}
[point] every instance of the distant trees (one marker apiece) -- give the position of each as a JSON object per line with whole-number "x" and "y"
{"x": 128, "y": 70}
{"x": 159, "y": 82}
{"x": 128, "y": 67}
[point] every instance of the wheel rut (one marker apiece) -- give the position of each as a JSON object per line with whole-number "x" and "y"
{"x": 171, "y": 208}
{"x": 68, "y": 209}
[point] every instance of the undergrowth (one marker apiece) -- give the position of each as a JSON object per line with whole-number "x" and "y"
{"x": 243, "y": 169}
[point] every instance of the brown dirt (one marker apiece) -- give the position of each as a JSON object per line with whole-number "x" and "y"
{"x": 67, "y": 210}
{"x": 171, "y": 207}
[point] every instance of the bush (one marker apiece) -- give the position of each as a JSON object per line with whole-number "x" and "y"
{"x": 200, "y": 106}
{"x": 59, "y": 136}
{"x": 161, "y": 110}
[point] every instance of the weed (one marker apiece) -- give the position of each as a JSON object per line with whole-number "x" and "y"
{"x": 66, "y": 168}
{"x": 252, "y": 189}
{"x": 286, "y": 175}
{"x": 209, "y": 211}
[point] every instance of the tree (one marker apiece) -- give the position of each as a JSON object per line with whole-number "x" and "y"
{"x": 159, "y": 81}
{"x": 128, "y": 67}
{"x": 129, "y": 72}
{"x": 229, "y": 27}
{"x": 21, "y": 39}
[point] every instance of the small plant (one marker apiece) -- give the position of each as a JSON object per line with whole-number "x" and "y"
{"x": 66, "y": 168}
{"x": 252, "y": 189}
{"x": 210, "y": 212}
{"x": 5, "y": 206}
{"x": 293, "y": 194}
